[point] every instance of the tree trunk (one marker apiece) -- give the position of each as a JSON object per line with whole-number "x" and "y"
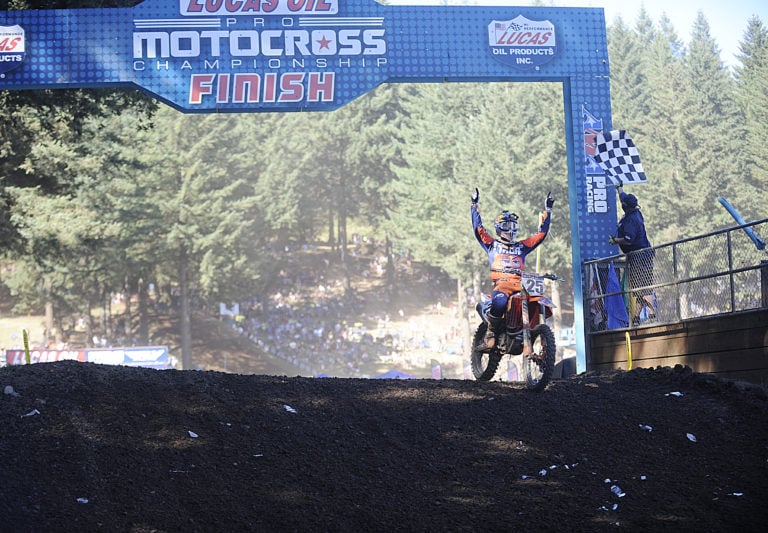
{"x": 61, "y": 335}
{"x": 331, "y": 240}
{"x": 476, "y": 287}
{"x": 89, "y": 325}
{"x": 48, "y": 312}
{"x": 392, "y": 287}
{"x": 343, "y": 249}
{"x": 143, "y": 318}
{"x": 104, "y": 315}
{"x": 127, "y": 323}
{"x": 185, "y": 318}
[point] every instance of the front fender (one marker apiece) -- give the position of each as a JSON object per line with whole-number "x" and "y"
{"x": 544, "y": 300}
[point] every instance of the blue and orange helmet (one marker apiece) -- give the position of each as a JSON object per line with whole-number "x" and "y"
{"x": 506, "y": 225}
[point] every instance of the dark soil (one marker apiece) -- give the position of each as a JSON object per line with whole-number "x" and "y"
{"x": 88, "y": 447}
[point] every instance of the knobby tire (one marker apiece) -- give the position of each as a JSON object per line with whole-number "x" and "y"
{"x": 484, "y": 364}
{"x": 538, "y": 368}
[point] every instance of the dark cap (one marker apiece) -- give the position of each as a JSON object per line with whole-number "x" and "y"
{"x": 628, "y": 200}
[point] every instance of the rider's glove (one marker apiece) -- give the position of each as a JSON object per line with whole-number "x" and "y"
{"x": 549, "y": 202}
{"x": 475, "y": 197}
{"x": 611, "y": 240}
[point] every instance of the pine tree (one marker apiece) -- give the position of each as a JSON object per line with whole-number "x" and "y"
{"x": 713, "y": 136}
{"x": 752, "y": 97}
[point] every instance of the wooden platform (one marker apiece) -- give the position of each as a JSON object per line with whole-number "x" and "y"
{"x": 733, "y": 346}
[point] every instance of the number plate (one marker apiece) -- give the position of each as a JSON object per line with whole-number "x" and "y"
{"x": 533, "y": 284}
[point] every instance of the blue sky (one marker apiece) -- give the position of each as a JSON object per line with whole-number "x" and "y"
{"x": 727, "y": 19}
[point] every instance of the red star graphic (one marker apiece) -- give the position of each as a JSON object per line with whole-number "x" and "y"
{"x": 324, "y": 43}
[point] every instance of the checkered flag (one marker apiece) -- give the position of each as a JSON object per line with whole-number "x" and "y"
{"x": 617, "y": 155}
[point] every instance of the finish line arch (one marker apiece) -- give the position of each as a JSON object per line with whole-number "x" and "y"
{"x": 242, "y": 56}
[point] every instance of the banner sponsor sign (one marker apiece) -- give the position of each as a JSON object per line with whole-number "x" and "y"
{"x": 290, "y": 55}
{"x": 18, "y": 357}
{"x": 522, "y": 43}
{"x": 597, "y": 196}
{"x": 143, "y": 356}
{"x": 11, "y": 47}
{"x": 146, "y": 357}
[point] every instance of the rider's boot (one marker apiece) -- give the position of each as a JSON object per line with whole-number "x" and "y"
{"x": 490, "y": 334}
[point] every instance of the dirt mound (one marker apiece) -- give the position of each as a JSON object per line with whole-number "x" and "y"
{"x": 90, "y": 447}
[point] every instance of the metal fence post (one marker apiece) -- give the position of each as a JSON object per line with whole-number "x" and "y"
{"x": 764, "y": 282}
{"x": 675, "y": 273}
{"x": 730, "y": 270}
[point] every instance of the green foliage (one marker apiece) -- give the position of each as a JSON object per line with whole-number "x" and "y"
{"x": 204, "y": 202}
{"x": 29, "y": 116}
{"x": 97, "y": 192}
{"x": 445, "y": 164}
{"x": 679, "y": 104}
{"x": 752, "y": 98}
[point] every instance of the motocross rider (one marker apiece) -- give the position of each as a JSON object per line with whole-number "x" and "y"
{"x": 504, "y": 254}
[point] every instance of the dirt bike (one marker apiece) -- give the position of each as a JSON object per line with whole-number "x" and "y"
{"x": 524, "y": 331}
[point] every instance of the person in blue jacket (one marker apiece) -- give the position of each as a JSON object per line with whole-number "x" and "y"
{"x": 506, "y": 258}
{"x": 633, "y": 241}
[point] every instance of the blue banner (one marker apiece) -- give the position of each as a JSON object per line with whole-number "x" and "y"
{"x": 292, "y": 55}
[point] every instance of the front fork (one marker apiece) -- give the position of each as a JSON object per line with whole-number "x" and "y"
{"x": 527, "y": 348}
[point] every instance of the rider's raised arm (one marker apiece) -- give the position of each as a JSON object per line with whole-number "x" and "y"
{"x": 534, "y": 240}
{"x": 481, "y": 234}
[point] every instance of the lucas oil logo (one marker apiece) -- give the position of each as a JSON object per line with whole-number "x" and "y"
{"x": 11, "y": 48}
{"x": 522, "y": 43}
{"x": 233, "y": 8}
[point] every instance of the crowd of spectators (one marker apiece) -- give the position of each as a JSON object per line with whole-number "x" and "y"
{"x": 309, "y": 321}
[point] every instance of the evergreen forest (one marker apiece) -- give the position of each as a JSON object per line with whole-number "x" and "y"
{"x": 105, "y": 191}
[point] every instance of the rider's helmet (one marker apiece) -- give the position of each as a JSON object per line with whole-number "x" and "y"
{"x": 506, "y": 226}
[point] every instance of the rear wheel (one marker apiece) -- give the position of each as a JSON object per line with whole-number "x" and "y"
{"x": 538, "y": 367}
{"x": 484, "y": 364}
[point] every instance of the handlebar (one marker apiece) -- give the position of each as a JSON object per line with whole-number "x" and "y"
{"x": 553, "y": 277}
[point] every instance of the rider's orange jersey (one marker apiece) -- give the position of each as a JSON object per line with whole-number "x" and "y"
{"x": 503, "y": 256}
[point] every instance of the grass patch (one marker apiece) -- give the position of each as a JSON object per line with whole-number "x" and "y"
{"x": 11, "y": 331}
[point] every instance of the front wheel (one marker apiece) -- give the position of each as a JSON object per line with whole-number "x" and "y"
{"x": 539, "y": 366}
{"x": 484, "y": 364}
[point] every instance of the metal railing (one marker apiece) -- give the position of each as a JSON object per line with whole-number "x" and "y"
{"x": 725, "y": 271}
